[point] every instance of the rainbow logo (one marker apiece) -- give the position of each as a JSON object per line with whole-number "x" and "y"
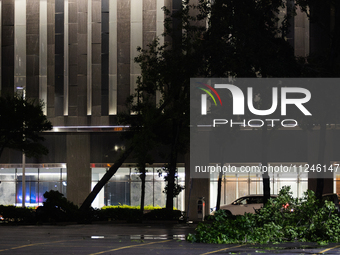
{"x": 209, "y": 93}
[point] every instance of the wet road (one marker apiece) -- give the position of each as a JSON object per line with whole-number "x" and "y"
{"x": 131, "y": 239}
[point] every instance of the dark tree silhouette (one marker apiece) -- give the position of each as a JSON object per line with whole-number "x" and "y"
{"x": 21, "y": 121}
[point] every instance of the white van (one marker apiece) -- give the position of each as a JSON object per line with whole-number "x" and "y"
{"x": 246, "y": 204}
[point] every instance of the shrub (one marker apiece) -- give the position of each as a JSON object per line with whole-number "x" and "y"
{"x": 121, "y": 212}
{"x": 15, "y": 214}
{"x": 146, "y": 208}
{"x": 57, "y": 208}
{"x": 163, "y": 214}
{"x": 282, "y": 219}
{"x": 133, "y": 214}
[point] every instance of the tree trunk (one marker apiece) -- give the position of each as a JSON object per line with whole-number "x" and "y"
{"x": 171, "y": 186}
{"x": 172, "y": 166}
{"x": 107, "y": 176}
{"x": 171, "y": 180}
{"x": 142, "y": 198}
{"x": 265, "y": 175}
{"x": 225, "y": 134}
{"x": 321, "y": 160}
{"x": 219, "y": 187}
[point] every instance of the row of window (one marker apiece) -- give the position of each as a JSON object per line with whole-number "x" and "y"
{"x": 37, "y": 182}
{"x": 125, "y": 186}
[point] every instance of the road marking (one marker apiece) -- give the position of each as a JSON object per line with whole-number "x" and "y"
{"x": 327, "y": 250}
{"x": 33, "y": 244}
{"x": 222, "y": 249}
{"x": 126, "y": 247}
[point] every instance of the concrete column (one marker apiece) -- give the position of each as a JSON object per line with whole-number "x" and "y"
{"x": 78, "y": 167}
{"x": 196, "y": 187}
{"x": 313, "y": 150}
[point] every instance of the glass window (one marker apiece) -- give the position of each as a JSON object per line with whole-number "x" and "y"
{"x": 243, "y": 189}
{"x": 159, "y": 197}
{"x": 135, "y": 174}
{"x": 135, "y": 193}
{"x": 125, "y": 188}
{"x": 159, "y": 176}
{"x": 243, "y": 184}
{"x": 117, "y": 193}
{"x": 64, "y": 174}
{"x": 63, "y": 188}
{"x": 31, "y": 192}
{"x": 8, "y": 192}
{"x": 31, "y": 186}
{"x": 230, "y": 190}
{"x": 181, "y": 174}
{"x": 47, "y": 186}
{"x": 37, "y": 182}
{"x": 256, "y": 186}
{"x": 180, "y": 205}
{"x": 148, "y": 200}
{"x": 7, "y": 174}
{"x": 50, "y": 174}
{"x": 98, "y": 173}
{"x": 99, "y": 201}
{"x": 213, "y": 195}
{"x": 123, "y": 174}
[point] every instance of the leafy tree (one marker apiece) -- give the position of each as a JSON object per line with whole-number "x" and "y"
{"x": 142, "y": 133}
{"x": 241, "y": 41}
{"x": 324, "y": 16}
{"x": 283, "y": 219}
{"x": 324, "y": 61}
{"x": 245, "y": 39}
{"x": 21, "y": 121}
{"x": 167, "y": 69}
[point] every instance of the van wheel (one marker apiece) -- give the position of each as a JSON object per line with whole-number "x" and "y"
{"x": 228, "y": 213}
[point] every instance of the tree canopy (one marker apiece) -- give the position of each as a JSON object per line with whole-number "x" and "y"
{"x": 242, "y": 39}
{"x": 223, "y": 39}
{"x": 21, "y": 121}
{"x": 247, "y": 39}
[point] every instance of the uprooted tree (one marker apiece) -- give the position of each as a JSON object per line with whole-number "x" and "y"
{"x": 241, "y": 41}
{"x": 167, "y": 69}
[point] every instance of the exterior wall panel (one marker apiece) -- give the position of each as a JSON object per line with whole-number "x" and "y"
{"x": 50, "y": 59}
{"x": 7, "y": 47}
{"x": 105, "y": 58}
{"x": 32, "y": 49}
{"x": 59, "y": 58}
{"x": 96, "y": 59}
{"x": 123, "y": 55}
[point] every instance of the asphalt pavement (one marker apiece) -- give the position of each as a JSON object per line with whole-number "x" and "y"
{"x": 129, "y": 239}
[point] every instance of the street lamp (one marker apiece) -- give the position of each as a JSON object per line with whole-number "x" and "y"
{"x": 22, "y": 92}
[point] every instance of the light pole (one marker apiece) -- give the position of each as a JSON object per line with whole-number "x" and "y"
{"x": 23, "y": 180}
{"x": 23, "y": 200}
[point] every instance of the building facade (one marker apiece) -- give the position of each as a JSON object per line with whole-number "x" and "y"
{"x": 77, "y": 57}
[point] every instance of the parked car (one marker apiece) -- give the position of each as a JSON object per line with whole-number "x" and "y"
{"x": 245, "y": 204}
{"x": 335, "y": 198}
